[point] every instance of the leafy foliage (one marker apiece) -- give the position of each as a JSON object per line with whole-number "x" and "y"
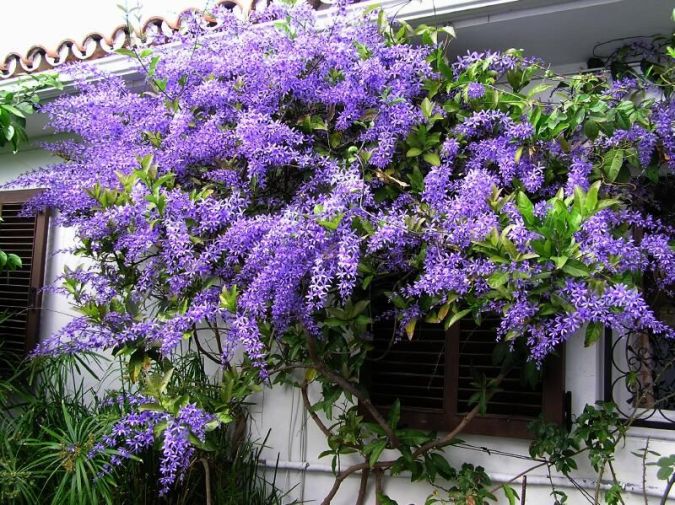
{"x": 16, "y": 104}
{"x": 49, "y": 437}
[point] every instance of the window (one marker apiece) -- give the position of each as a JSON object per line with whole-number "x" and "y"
{"x": 640, "y": 368}
{"x": 432, "y": 375}
{"x": 20, "y": 296}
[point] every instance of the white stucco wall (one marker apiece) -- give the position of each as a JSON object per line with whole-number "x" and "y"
{"x": 297, "y": 444}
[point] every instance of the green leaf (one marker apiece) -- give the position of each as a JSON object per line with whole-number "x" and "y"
{"x": 510, "y": 493}
{"x": 385, "y": 500}
{"x": 9, "y": 132}
{"x": 333, "y": 223}
{"x": 538, "y": 89}
{"x": 375, "y": 450}
{"x": 593, "y": 334}
{"x": 410, "y": 328}
{"x": 432, "y": 158}
{"x": 664, "y": 473}
{"x": 441, "y": 465}
{"x": 413, "y": 151}
{"x": 608, "y": 202}
{"x": 160, "y": 427}
{"x": 591, "y": 129}
{"x": 203, "y": 445}
{"x": 152, "y": 67}
{"x": 576, "y": 268}
{"x": 427, "y": 108}
{"x": 456, "y": 317}
{"x": 498, "y": 279}
{"x": 448, "y": 30}
{"x": 228, "y": 298}
{"x": 612, "y": 163}
{"x": 13, "y": 110}
{"x": 559, "y": 301}
{"x": 154, "y": 407}
{"x": 13, "y": 261}
{"x": 525, "y": 207}
{"x": 559, "y": 261}
{"x": 519, "y": 154}
{"x": 591, "y": 201}
{"x": 136, "y": 365}
{"x": 126, "y": 52}
{"x": 160, "y": 84}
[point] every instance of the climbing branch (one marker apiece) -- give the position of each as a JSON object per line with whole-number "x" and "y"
{"x": 308, "y": 407}
{"x": 439, "y": 443}
{"x": 347, "y": 386}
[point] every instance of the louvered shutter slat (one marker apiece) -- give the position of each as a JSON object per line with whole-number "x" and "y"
{"x": 476, "y": 345}
{"x": 412, "y": 371}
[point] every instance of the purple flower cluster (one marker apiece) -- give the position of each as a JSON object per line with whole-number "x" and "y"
{"x": 135, "y": 433}
{"x": 275, "y": 162}
{"x": 232, "y": 128}
{"x": 491, "y": 60}
{"x": 177, "y": 450}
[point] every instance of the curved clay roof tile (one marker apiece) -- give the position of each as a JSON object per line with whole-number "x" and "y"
{"x": 96, "y": 45}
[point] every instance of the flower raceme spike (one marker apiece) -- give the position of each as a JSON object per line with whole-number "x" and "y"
{"x": 136, "y": 432}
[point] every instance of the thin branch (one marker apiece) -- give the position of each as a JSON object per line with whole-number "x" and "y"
{"x": 664, "y": 498}
{"x": 308, "y": 407}
{"x": 598, "y": 483}
{"x": 350, "y": 388}
{"x": 207, "y": 480}
{"x": 616, "y": 481}
{"x": 204, "y": 351}
{"x": 644, "y": 473}
{"x": 216, "y": 332}
{"x": 447, "y": 439}
{"x": 379, "y": 488}
{"x": 363, "y": 487}
{"x": 436, "y": 444}
{"x": 340, "y": 479}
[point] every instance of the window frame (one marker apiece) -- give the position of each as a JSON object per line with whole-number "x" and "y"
{"x": 38, "y": 263}
{"x": 622, "y": 352}
{"x": 554, "y": 400}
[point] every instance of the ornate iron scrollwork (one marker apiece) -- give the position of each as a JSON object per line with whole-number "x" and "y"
{"x": 640, "y": 377}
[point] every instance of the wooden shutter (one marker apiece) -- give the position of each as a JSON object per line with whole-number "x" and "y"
{"x": 517, "y": 404}
{"x": 20, "y": 295}
{"x": 432, "y": 375}
{"x": 416, "y": 372}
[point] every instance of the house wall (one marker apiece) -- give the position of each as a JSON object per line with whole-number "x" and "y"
{"x": 293, "y": 439}
{"x": 297, "y": 442}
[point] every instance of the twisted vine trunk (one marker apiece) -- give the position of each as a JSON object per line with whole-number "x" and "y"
{"x": 439, "y": 443}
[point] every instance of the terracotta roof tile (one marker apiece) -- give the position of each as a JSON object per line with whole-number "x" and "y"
{"x": 97, "y": 45}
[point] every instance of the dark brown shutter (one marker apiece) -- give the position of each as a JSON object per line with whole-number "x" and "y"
{"x": 20, "y": 295}
{"x": 517, "y": 404}
{"x": 414, "y": 371}
{"x": 432, "y": 375}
